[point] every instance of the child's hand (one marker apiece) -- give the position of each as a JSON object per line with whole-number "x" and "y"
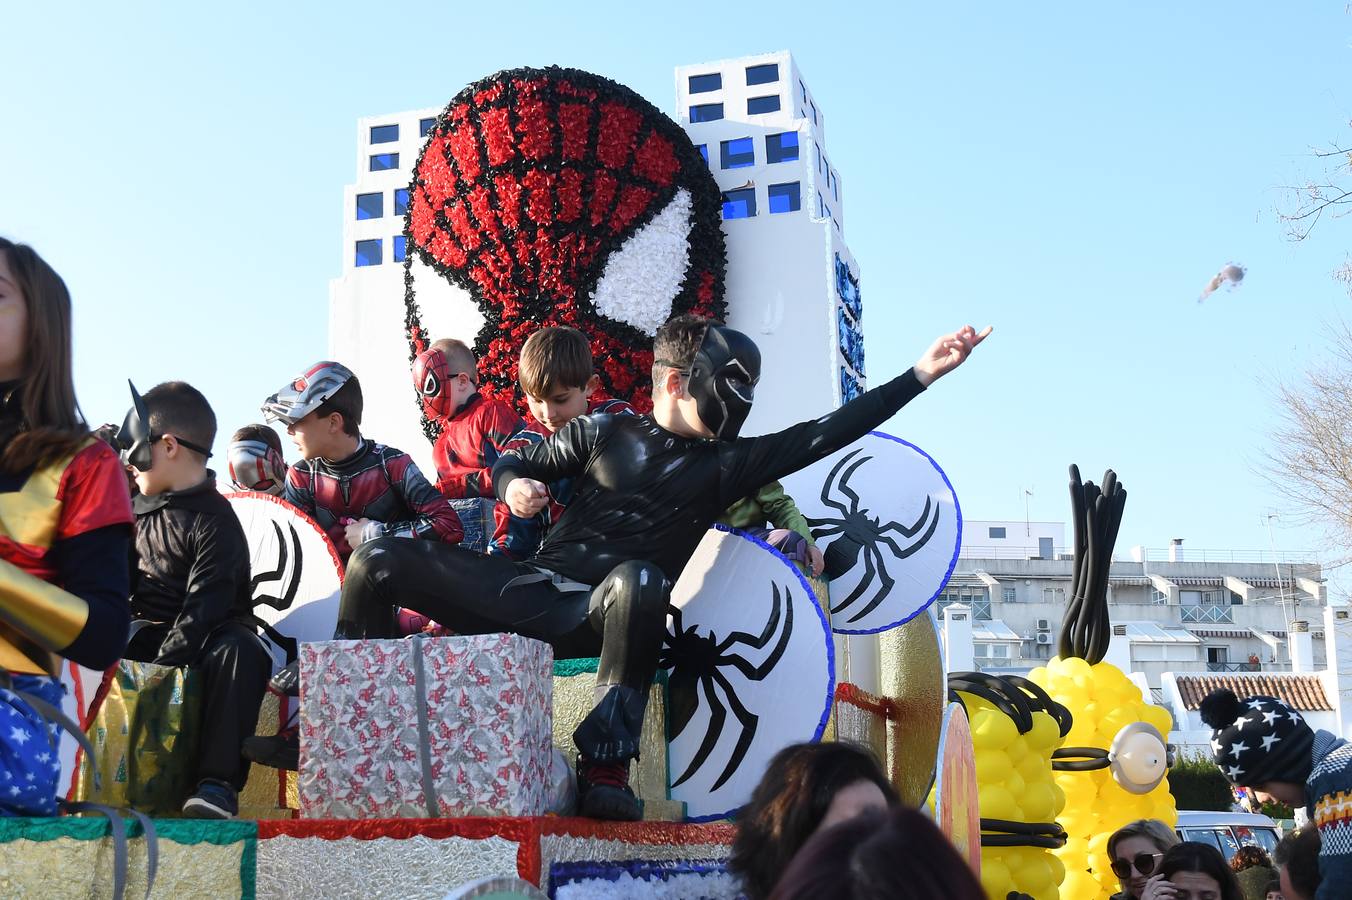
{"x": 525, "y": 497}
{"x": 352, "y": 531}
{"x": 815, "y": 561}
{"x": 947, "y": 353}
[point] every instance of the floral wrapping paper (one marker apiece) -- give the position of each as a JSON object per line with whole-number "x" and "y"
{"x": 489, "y": 726}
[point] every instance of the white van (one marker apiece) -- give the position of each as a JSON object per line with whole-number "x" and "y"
{"x": 1227, "y": 832}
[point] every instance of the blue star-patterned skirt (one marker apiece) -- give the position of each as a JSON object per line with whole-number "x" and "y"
{"x": 30, "y": 766}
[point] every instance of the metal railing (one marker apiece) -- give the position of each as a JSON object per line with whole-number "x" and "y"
{"x": 1234, "y": 667}
{"x": 1221, "y": 615}
{"x": 981, "y": 608}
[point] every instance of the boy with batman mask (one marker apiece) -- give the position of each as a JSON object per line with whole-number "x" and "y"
{"x": 647, "y": 489}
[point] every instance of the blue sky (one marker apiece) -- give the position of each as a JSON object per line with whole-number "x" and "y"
{"x": 1071, "y": 175}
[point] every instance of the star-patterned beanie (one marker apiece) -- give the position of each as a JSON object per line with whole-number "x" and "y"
{"x": 1257, "y": 739}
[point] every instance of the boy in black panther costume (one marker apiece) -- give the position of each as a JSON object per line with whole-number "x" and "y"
{"x": 648, "y": 488}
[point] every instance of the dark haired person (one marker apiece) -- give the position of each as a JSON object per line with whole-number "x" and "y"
{"x": 1261, "y": 743}
{"x": 647, "y": 488}
{"x": 65, "y": 529}
{"x": 1192, "y": 871}
{"x": 805, "y": 788}
{"x": 898, "y": 855}
{"x": 192, "y": 597}
{"x": 1297, "y": 858}
{"x": 356, "y": 489}
{"x": 1253, "y": 870}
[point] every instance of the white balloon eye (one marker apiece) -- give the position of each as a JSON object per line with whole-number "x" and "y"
{"x": 642, "y": 278}
{"x": 1139, "y": 758}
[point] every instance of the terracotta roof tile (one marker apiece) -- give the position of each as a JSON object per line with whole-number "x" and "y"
{"x": 1302, "y": 692}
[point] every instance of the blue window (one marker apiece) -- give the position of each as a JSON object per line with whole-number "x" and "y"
{"x": 814, "y": 113}
{"x": 786, "y": 197}
{"x": 835, "y": 188}
{"x": 702, "y": 84}
{"x": 781, "y": 147}
{"x": 384, "y": 134}
{"x": 425, "y": 125}
{"x": 704, "y": 152}
{"x": 819, "y": 156}
{"x": 370, "y": 206}
{"x": 399, "y": 247}
{"x": 736, "y": 153}
{"x": 837, "y": 222}
{"x": 762, "y": 74}
{"x": 739, "y": 204}
{"x": 383, "y": 162}
{"x": 757, "y": 105}
{"x": 368, "y": 253}
{"x": 821, "y": 206}
{"x": 401, "y": 201}
{"x": 802, "y": 93}
{"x": 708, "y": 112}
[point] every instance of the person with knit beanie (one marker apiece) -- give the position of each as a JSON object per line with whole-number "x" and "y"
{"x": 1263, "y": 744}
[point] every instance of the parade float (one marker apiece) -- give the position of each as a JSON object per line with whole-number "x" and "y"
{"x": 555, "y": 196}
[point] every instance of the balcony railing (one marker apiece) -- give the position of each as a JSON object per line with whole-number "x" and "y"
{"x": 981, "y": 608}
{"x": 1221, "y": 615}
{"x": 1234, "y": 667}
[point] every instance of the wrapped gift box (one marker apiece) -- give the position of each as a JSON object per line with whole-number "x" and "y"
{"x": 481, "y": 745}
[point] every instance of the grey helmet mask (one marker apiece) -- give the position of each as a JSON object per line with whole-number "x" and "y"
{"x": 723, "y": 380}
{"x": 306, "y": 392}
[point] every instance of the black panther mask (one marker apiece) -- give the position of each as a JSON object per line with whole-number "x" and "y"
{"x": 134, "y": 438}
{"x": 723, "y": 380}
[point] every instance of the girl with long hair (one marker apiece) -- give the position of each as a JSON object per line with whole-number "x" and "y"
{"x": 65, "y": 529}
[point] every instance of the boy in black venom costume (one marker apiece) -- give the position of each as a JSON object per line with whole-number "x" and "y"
{"x": 647, "y": 488}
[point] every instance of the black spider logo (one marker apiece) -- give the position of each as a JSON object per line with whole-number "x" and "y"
{"x": 289, "y": 585}
{"x": 859, "y": 532}
{"x": 698, "y": 660}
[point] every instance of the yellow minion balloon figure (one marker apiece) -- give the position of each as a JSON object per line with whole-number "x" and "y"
{"x": 1112, "y": 767}
{"x": 1016, "y": 728}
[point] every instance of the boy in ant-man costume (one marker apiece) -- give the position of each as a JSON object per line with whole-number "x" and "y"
{"x": 648, "y": 487}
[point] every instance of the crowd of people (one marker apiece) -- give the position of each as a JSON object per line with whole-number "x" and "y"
{"x": 568, "y": 524}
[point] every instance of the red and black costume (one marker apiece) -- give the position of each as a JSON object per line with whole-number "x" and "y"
{"x": 470, "y": 442}
{"x": 378, "y": 483}
{"x": 193, "y": 593}
{"x": 516, "y": 537}
{"x": 65, "y": 530}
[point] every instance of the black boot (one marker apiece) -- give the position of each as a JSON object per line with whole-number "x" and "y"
{"x": 603, "y": 791}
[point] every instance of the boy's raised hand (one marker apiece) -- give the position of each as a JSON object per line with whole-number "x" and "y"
{"x": 947, "y": 353}
{"x": 525, "y": 497}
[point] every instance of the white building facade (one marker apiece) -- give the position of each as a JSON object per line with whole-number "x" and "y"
{"x": 792, "y": 283}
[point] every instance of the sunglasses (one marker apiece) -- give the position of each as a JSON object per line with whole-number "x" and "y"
{"x": 1144, "y": 863}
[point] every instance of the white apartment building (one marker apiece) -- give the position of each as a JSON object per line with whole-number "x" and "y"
{"x": 1182, "y": 611}
{"x": 791, "y": 281}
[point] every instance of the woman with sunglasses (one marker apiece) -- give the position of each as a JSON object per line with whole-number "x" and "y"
{"x": 65, "y": 529}
{"x": 1192, "y": 871}
{"x": 1135, "y": 850}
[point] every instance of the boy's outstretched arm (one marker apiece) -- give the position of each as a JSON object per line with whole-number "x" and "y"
{"x": 751, "y": 462}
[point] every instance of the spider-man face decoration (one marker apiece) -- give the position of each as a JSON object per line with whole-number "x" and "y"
{"x": 558, "y": 197}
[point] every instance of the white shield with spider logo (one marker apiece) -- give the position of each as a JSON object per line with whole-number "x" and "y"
{"x": 751, "y": 669}
{"x": 888, "y": 522}
{"x": 297, "y": 574}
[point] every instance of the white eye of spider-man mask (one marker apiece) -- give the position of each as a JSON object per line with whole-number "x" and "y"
{"x": 723, "y": 380}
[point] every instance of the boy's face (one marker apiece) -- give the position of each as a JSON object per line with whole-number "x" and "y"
{"x": 170, "y": 463}
{"x": 562, "y": 405}
{"x": 1288, "y": 793}
{"x": 316, "y": 436}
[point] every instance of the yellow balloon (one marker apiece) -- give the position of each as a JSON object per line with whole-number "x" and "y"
{"x": 992, "y": 730}
{"x": 992, "y": 767}
{"x": 996, "y": 802}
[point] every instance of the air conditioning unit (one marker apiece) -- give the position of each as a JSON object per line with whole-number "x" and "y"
{"x": 1044, "y": 624}
{"x": 1044, "y": 638}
